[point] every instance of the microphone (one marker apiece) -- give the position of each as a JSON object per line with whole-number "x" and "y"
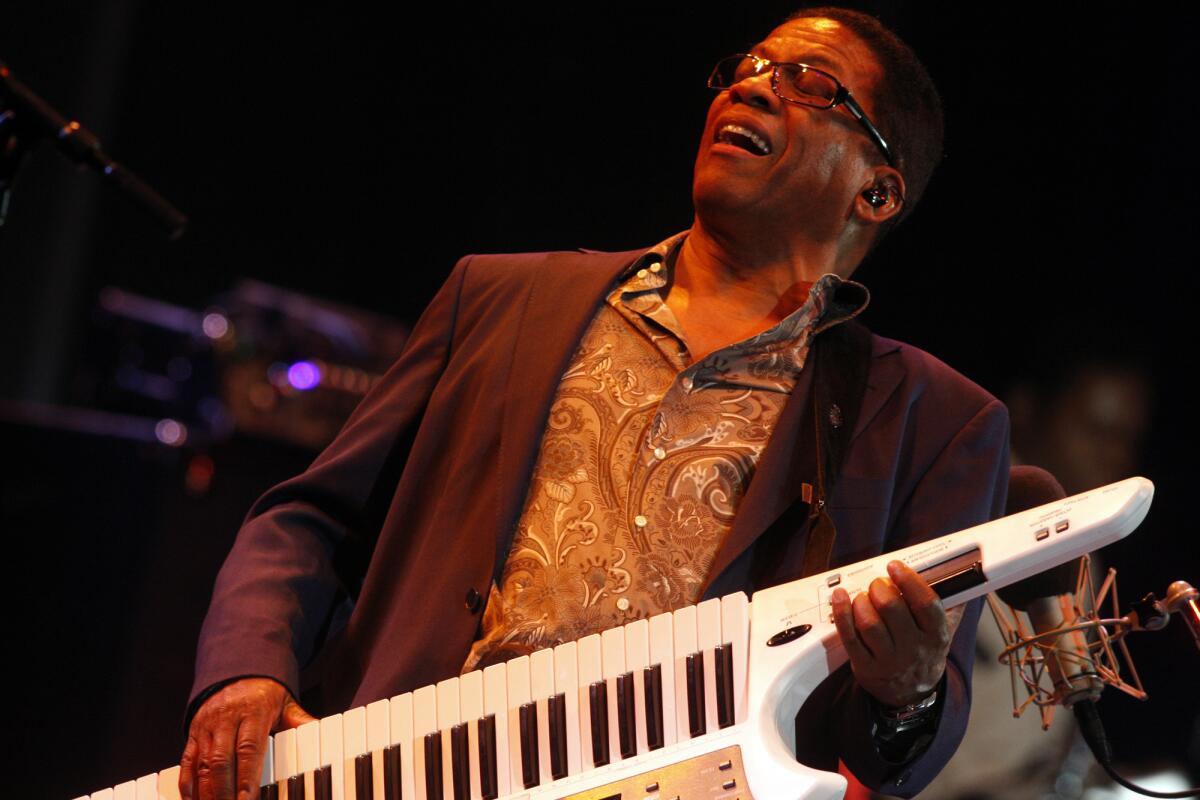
{"x": 40, "y": 119}
{"x": 1049, "y": 601}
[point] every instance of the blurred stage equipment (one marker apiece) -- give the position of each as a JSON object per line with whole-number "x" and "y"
{"x": 1060, "y": 650}
{"x": 261, "y": 360}
{"x": 178, "y": 419}
{"x": 26, "y": 118}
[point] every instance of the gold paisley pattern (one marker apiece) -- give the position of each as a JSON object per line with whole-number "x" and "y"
{"x": 642, "y": 465}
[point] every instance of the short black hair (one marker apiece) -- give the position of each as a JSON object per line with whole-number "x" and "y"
{"x": 906, "y": 106}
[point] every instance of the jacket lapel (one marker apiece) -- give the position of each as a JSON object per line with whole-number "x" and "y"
{"x": 887, "y": 371}
{"x": 561, "y": 302}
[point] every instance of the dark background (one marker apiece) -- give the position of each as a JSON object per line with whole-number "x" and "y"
{"x": 354, "y": 155}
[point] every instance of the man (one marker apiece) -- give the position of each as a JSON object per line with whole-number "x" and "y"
{"x": 576, "y": 436}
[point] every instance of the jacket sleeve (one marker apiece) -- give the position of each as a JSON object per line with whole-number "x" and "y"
{"x": 305, "y": 544}
{"x": 966, "y": 485}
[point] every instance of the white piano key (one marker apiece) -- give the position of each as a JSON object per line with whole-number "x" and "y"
{"x": 448, "y": 716}
{"x": 495, "y": 702}
{"x": 424, "y": 722}
{"x": 637, "y": 658}
{"x": 708, "y": 636}
{"x": 268, "y": 767}
{"x": 685, "y": 644}
{"x": 612, "y": 654}
{"x": 146, "y": 787}
{"x": 103, "y": 794}
{"x": 354, "y": 744}
{"x": 662, "y": 651}
{"x": 470, "y": 698}
{"x": 735, "y": 629}
{"x": 401, "y": 708}
{"x": 333, "y": 754}
{"x": 518, "y": 695}
{"x": 541, "y": 686}
{"x": 168, "y": 784}
{"x": 591, "y": 669}
{"x": 308, "y": 754}
{"x": 566, "y": 682}
{"x": 125, "y": 791}
{"x": 379, "y": 736}
{"x": 285, "y": 759}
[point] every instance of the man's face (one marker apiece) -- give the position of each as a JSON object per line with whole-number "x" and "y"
{"x": 816, "y": 160}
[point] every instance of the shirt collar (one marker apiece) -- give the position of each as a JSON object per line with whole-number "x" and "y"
{"x": 834, "y": 300}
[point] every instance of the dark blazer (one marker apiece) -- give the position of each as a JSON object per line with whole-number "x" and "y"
{"x": 410, "y": 511}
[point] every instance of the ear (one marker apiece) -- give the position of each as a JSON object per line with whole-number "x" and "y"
{"x": 881, "y": 197}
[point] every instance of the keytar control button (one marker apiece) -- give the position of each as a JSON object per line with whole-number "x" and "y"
{"x": 788, "y": 635}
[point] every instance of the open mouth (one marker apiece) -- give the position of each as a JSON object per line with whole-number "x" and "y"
{"x": 744, "y": 138}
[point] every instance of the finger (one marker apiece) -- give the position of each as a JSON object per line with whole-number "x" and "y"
{"x": 843, "y": 619}
{"x": 293, "y": 715}
{"x": 187, "y": 766}
{"x": 922, "y": 600}
{"x": 214, "y": 762}
{"x": 871, "y": 629}
{"x": 894, "y": 612}
{"x": 251, "y": 751}
{"x": 954, "y": 618}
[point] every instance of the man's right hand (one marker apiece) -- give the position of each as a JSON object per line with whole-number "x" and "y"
{"x": 227, "y": 741}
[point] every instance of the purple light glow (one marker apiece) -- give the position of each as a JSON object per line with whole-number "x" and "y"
{"x": 304, "y": 375}
{"x": 215, "y": 325}
{"x": 170, "y": 432}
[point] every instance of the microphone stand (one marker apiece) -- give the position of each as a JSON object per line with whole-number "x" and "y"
{"x": 25, "y": 118}
{"x": 1032, "y": 651}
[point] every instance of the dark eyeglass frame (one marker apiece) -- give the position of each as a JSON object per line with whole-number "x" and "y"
{"x": 842, "y": 97}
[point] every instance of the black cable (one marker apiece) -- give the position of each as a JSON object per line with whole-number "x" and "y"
{"x": 1093, "y": 733}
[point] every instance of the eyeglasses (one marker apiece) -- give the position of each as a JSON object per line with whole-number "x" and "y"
{"x": 799, "y": 84}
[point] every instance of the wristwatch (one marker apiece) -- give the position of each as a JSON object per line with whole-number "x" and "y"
{"x": 902, "y": 734}
{"x": 898, "y": 720}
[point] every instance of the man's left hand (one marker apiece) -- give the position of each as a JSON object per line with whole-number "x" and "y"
{"x": 897, "y": 635}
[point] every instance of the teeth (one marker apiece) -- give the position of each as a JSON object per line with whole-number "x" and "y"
{"x": 740, "y": 136}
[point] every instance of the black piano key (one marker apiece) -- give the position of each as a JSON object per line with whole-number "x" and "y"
{"x": 723, "y": 660}
{"x": 296, "y": 787}
{"x": 460, "y": 761}
{"x": 652, "y": 681}
{"x": 626, "y": 716}
{"x": 269, "y": 792}
{"x": 489, "y": 782}
{"x": 556, "y": 706}
{"x": 323, "y": 783}
{"x": 530, "y": 767}
{"x": 433, "y": 765}
{"x": 364, "y": 778}
{"x": 695, "y": 695}
{"x": 392, "y": 775}
{"x": 598, "y": 702}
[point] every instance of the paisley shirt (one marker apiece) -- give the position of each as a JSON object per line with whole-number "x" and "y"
{"x": 643, "y": 463}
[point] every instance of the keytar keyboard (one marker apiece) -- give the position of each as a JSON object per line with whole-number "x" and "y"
{"x": 697, "y": 703}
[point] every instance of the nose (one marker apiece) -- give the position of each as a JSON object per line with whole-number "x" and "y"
{"x": 756, "y": 91}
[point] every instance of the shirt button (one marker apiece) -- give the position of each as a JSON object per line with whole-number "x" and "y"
{"x": 687, "y": 383}
{"x": 640, "y": 521}
{"x": 642, "y": 273}
{"x": 623, "y": 603}
{"x": 659, "y": 453}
